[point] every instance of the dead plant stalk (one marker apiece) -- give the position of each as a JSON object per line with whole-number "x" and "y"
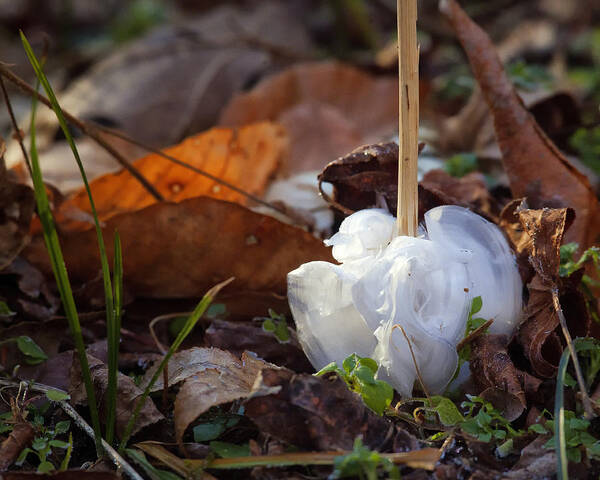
{"x": 408, "y": 118}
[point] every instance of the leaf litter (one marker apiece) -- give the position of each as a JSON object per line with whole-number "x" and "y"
{"x": 253, "y": 382}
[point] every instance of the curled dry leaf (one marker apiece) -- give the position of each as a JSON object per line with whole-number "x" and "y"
{"x": 328, "y": 108}
{"x": 18, "y": 439}
{"x": 537, "y": 236}
{"x": 314, "y": 412}
{"x": 127, "y": 395}
{"x": 493, "y": 369}
{"x": 182, "y": 250}
{"x": 246, "y": 157}
{"x": 368, "y": 177}
{"x": 239, "y": 336}
{"x": 538, "y": 335}
{"x": 535, "y": 167}
{"x": 519, "y": 239}
{"x": 219, "y": 377}
{"x": 185, "y": 363}
{"x": 546, "y": 229}
{"x": 365, "y": 177}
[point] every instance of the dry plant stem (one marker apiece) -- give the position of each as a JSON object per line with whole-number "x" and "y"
{"x": 86, "y": 127}
{"x": 15, "y": 125}
{"x": 117, "y": 459}
{"x": 585, "y": 398}
{"x": 474, "y": 334}
{"x": 425, "y": 458}
{"x": 412, "y": 354}
{"x": 408, "y": 138}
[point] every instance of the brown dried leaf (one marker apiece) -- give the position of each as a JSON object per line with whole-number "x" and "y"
{"x": 365, "y": 177}
{"x": 538, "y": 236}
{"x": 18, "y": 439}
{"x": 17, "y": 204}
{"x": 34, "y": 296}
{"x": 328, "y": 109}
{"x": 185, "y": 363}
{"x": 314, "y": 412}
{"x": 127, "y": 395}
{"x": 546, "y": 229}
{"x": 520, "y": 240}
{"x": 469, "y": 191}
{"x": 183, "y": 249}
{"x": 538, "y": 334}
{"x": 368, "y": 177}
{"x": 536, "y": 461}
{"x": 246, "y": 157}
{"x": 535, "y": 167}
{"x": 493, "y": 369}
{"x": 219, "y": 378}
{"x": 239, "y": 336}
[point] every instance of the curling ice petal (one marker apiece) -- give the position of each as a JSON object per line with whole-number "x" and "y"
{"x": 419, "y": 286}
{"x": 329, "y": 326}
{"x": 366, "y": 232}
{"x": 492, "y": 268}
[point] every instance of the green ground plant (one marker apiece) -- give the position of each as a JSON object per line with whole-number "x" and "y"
{"x": 359, "y": 375}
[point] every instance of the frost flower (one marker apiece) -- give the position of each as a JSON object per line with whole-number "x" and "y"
{"x": 424, "y": 285}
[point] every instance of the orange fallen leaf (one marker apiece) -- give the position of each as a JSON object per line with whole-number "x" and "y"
{"x": 246, "y": 157}
{"x": 328, "y": 109}
{"x": 535, "y": 167}
{"x": 183, "y": 249}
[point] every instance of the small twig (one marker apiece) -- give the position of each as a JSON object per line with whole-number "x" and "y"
{"x": 408, "y": 118}
{"x": 163, "y": 350}
{"x": 15, "y": 125}
{"x": 160, "y": 318}
{"x": 425, "y": 458}
{"x": 117, "y": 459}
{"x": 89, "y": 129}
{"x": 585, "y": 398}
{"x": 412, "y": 353}
{"x": 473, "y": 335}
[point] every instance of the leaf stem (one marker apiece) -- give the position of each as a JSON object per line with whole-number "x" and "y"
{"x": 585, "y": 398}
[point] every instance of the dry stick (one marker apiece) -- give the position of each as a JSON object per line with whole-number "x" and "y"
{"x": 585, "y": 398}
{"x": 15, "y": 125}
{"x": 474, "y": 334}
{"x": 408, "y": 83}
{"x": 89, "y": 129}
{"x": 92, "y": 130}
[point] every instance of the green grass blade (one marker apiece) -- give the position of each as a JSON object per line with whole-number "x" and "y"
{"x": 562, "y": 470}
{"x": 114, "y": 335}
{"x": 184, "y": 332}
{"x": 108, "y": 292}
{"x": 62, "y": 278}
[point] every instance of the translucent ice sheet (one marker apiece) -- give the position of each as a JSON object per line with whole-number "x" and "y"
{"x": 387, "y": 289}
